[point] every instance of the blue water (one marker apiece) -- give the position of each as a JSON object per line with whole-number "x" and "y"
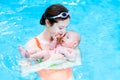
{"x": 97, "y": 21}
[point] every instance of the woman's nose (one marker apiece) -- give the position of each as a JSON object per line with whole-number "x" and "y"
{"x": 61, "y": 27}
{"x": 62, "y": 33}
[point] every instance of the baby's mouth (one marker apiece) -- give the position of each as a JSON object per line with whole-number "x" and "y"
{"x": 62, "y": 42}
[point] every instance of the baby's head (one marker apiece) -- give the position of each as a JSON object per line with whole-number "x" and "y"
{"x": 71, "y": 39}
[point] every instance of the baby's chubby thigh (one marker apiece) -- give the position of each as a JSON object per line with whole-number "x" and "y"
{"x": 55, "y": 56}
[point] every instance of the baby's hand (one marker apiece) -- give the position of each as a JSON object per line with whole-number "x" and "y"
{"x": 53, "y": 43}
{"x": 54, "y": 37}
{"x": 61, "y": 50}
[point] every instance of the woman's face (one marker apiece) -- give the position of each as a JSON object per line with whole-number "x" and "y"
{"x": 58, "y": 29}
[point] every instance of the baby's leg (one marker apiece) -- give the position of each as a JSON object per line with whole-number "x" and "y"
{"x": 44, "y": 55}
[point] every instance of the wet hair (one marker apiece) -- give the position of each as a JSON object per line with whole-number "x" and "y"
{"x": 51, "y": 11}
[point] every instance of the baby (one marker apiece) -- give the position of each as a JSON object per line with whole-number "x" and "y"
{"x": 68, "y": 43}
{"x": 64, "y": 49}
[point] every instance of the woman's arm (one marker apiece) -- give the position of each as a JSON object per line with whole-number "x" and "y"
{"x": 32, "y": 47}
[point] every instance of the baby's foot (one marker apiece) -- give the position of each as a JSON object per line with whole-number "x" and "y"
{"x": 24, "y": 52}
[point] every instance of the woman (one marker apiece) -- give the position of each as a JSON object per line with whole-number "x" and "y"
{"x": 56, "y": 18}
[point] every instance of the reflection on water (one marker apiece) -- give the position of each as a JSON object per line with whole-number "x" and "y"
{"x": 97, "y": 21}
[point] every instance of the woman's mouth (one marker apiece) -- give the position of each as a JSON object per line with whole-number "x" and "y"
{"x": 60, "y": 35}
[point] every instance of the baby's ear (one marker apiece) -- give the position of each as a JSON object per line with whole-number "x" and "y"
{"x": 75, "y": 44}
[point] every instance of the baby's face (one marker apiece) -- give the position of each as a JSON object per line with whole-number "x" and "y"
{"x": 68, "y": 40}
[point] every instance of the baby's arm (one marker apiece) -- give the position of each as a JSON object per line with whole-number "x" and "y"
{"x": 67, "y": 52}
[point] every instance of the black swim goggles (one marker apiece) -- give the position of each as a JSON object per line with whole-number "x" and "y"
{"x": 61, "y": 15}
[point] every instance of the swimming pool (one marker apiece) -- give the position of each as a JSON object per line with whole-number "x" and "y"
{"x": 97, "y": 21}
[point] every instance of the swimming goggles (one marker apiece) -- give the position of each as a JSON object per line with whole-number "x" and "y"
{"x": 61, "y": 15}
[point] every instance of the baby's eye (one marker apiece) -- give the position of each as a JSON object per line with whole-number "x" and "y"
{"x": 67, "y": 37}
{"x": 61, "y": 27}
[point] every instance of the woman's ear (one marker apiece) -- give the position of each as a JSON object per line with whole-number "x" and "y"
{"x": 47, "y": 22}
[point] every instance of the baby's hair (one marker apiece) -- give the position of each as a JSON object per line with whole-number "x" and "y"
{"x": 77, "y": 35}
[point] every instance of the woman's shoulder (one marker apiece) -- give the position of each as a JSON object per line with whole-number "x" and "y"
{"x": 31, "y": 42}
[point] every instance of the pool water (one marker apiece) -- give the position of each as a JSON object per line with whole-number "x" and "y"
{"x": 97, "y": 21}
